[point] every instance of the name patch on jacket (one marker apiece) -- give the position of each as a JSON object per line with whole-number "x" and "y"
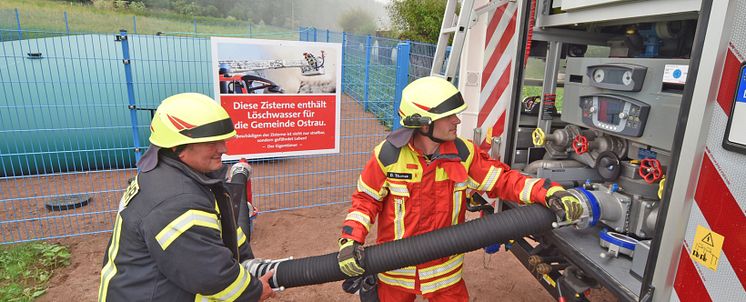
{"x": 395, "y": 175}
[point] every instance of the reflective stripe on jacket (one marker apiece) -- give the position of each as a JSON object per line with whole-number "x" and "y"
{"x": 176, "y": 238}
{"x": 411, "y": 195}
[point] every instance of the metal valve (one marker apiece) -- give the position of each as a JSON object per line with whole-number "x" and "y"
{"x": 580, "y": 144}
{"x": 538, "y": 137}
{"x": 650, "y": 170}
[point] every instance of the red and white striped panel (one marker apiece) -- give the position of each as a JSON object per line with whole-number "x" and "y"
{"x": 497, "y": 71}
{"x": 720, "y": 198}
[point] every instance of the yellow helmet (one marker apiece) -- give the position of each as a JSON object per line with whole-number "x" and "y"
{"x": 189, "y": 118}
{"x": 428, "y": 99}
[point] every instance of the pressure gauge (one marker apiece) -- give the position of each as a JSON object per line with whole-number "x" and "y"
{"x": 627, "y": 78}
{"x": 598, "y": 75}
{"x": 617, "y": 76}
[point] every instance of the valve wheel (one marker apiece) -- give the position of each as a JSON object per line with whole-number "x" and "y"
{"x": 537, "y": 136}
{"x": 650, "y": 170}
{"x": 580, "y": 144}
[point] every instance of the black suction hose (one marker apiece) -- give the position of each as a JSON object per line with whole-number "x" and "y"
{"x": 237, "y": 189}
{"x": 465, "y": 237}
{"x": 469, "y": 236}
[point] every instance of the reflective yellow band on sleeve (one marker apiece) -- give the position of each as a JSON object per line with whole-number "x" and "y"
{"x": 491, "y": 179}
{"x": 362, "y": 187}
{"x": 359, "y": 217}
{"x": 233, "y": 291}
{"x": 528, "y": 185}
{"x": 241, "y": 236}
{"x": 183, "y": 223}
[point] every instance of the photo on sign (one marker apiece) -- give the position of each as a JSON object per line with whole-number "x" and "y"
{"x": 282, "y": 96}
{"x": 247, "y": 66}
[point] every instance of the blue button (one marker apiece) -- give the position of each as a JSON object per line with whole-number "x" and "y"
{"x": 677, "y": 73}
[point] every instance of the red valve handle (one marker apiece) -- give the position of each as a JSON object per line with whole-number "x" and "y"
{"x": 650, "y": 170}
{"x": 580, "y": 144}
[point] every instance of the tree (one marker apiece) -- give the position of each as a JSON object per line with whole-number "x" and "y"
{"x": 417, "y": 20}
{"x": 357, "y": 21}
{"x": 196, "y": 8}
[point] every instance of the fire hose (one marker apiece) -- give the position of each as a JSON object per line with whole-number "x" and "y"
{"x": 462, "y": 238}
{"x": 457, "y": 239}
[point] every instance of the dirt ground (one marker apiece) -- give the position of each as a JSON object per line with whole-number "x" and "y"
{"x": 303, "y": 233}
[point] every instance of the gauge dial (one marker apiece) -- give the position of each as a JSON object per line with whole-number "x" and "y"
{"x": 598, "y": 75}
{"x": 627, "y": 78}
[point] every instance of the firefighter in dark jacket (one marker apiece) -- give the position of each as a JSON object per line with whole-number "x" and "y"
{"x": 176, "y": 236}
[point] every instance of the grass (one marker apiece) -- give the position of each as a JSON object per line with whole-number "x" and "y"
{"x": 26, "y": 268}
{"x": 44, "y": 15}
{"x": 536, "y": 90}
{"x": 535, "y": 70}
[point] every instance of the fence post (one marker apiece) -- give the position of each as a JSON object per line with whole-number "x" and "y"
{"x": 134, "y": 23}
{"x": 315, "y": 35}
{"x": 67, "y": 26}
{"x": 194, "y": 21}
{"x": 130, "y": 90}
{"x": 327, "y": 36}
{"x": 300, "y": 33}
{"x": 402, "y": 79}
{"x": 18, "y": 21}
{"x": 367, "y": 72}
{"x": 249, "y": 30}
{"x": 344, "y": 45}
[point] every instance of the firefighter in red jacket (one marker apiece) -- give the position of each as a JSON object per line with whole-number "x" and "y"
{"x": 416, "y": 182}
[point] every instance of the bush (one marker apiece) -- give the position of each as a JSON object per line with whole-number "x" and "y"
{"x": 137, "y": 6}
{"x": 103, "y": 4}
{"x": 357, "y": 21}
{"x": 26, "y": 268}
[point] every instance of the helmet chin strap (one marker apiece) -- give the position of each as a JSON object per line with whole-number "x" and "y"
{"x": 429, "y": 135}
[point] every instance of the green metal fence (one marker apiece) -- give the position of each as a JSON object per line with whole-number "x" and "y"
{"x": 71, "y": 129}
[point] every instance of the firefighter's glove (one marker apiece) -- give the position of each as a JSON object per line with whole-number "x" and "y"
{"x": 566, "y": 206}
{"x": 366, "y": 286}
{"x": 259, "y": 267}
{"x": 350, "y": 257}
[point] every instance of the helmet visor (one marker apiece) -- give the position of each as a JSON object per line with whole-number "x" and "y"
{"x": 451, "y": 103}
{"x": 216, "y": 128}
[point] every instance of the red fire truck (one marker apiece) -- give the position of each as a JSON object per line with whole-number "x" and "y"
{"x": 640, "y": 113}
